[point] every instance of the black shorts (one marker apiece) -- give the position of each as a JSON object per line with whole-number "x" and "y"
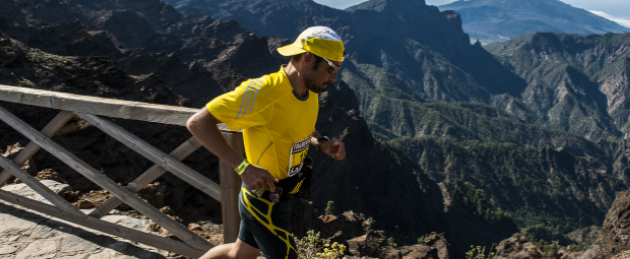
{"x": 265, "y": 225}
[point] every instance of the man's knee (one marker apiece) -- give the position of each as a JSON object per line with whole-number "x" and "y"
{"x": 241, "y": 249}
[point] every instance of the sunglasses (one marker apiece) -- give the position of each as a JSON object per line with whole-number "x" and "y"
{"x": 333, "y": 69}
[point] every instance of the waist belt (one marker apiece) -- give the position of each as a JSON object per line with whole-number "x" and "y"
{"x": 299, "y": 184}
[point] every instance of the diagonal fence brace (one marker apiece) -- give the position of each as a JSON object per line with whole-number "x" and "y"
{"x": 49, "y": 130}
{"x": 44, "y": 191}
{"x": 147, "y": 177}
{"x": 158, "y": 157}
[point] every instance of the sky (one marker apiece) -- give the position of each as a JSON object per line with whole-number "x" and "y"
{"x": 616, "y": 10}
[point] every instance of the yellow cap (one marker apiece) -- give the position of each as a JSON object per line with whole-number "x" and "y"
{"x": 319, "y": 40}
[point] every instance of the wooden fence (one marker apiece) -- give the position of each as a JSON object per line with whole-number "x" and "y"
{"x": 91, "y": 109}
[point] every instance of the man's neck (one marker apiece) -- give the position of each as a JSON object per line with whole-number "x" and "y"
{"x": 296, "y": 79}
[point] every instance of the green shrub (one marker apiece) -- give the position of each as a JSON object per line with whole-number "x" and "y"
{"x": 479, "y": 252}
{"x": 312, "y": 246}
{"x": 330, "y": 208}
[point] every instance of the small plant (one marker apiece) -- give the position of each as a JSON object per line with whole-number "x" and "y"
{"x": 424, "y": 238}
{"x": 392, "y": 242}
{"x": 330, "y": 208}
{"x": 543, "y": 250}
{"x": 312, "y": 246}
{"x": 367, "y": 224}
{"x": 479, "y": 252}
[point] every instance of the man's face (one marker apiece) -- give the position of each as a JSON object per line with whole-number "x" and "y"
{"x": 318, "y": 75}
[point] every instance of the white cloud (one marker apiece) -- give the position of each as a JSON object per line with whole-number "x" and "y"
{"x": 622, "y": 21}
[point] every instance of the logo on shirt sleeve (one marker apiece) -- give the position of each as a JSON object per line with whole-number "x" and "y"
{"x": 298, "y": 154}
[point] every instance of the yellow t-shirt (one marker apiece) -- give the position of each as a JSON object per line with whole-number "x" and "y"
{"x": 277, "y": 125}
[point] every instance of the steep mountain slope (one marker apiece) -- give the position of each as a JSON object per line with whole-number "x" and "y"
{"x": 500, "y": 20}
{"x": 591, "y": 72}
{"x": 194, "y": 57}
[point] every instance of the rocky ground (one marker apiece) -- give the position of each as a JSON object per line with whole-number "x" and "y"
{"x": 28, "y": 234}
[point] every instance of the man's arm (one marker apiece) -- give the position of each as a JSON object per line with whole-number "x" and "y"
{"x": 334, "y": 148}
{"x": 203, "y": 125}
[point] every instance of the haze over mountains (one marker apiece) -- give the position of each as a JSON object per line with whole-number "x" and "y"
{"x": 500, "y": 20}
{"x": 530, "y": 130}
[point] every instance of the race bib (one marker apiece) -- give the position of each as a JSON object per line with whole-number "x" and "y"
{"x": 298, "y": 154}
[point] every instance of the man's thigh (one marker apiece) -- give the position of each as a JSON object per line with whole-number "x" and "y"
{"x": 268, "y": 223}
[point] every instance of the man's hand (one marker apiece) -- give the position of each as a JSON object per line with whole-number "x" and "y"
{"x": 256, "y": 177}
{"x": 334, "y": 148}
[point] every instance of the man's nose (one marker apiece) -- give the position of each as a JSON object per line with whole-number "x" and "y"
{"x": 333, "y": 78}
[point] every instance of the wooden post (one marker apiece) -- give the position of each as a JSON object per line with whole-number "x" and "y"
{"x": 230, "y": 188}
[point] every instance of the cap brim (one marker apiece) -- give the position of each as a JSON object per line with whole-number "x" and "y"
{"x": 290, "y": 50}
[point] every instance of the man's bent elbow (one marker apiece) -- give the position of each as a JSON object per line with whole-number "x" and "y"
{"x": 195, "y": 122}
{"x": 201, "y": 121}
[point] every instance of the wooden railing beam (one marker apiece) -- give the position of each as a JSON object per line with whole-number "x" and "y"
{"x": 123, "y": 109}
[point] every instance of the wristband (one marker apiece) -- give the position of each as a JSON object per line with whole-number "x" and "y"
{"x": 320, "y": 140}
{"x": 241, "y": 168}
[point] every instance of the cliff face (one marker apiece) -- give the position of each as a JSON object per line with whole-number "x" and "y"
{"x": 614, "y": 235}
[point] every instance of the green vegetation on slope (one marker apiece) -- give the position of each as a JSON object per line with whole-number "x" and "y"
{"x": 475, "y": 200}
{"x": 536, "y": 186}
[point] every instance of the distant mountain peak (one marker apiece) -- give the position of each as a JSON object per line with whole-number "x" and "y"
{"x": 500, "y": 20}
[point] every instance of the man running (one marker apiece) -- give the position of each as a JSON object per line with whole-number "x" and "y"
{"x": 277, "y": 113}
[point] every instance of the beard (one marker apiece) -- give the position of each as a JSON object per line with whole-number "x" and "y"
{"x": 314, "y": 87}
{"x": 311, "y": 82}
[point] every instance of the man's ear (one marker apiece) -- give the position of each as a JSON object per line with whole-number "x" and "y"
{"x": 308, "y": 58}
